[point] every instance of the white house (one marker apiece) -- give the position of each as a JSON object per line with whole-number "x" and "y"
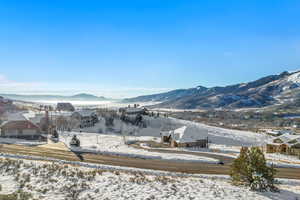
{"x": 185, "y": 137}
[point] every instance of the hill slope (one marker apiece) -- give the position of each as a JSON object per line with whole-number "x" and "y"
{"x": 269, "y": 90}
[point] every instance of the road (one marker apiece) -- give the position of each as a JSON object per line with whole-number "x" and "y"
{"x": 172, "y": 166}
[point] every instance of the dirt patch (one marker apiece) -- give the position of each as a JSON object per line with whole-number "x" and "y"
{"x": 58, "y": 146}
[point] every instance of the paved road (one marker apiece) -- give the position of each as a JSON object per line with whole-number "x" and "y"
{"x": 172, "y": 166}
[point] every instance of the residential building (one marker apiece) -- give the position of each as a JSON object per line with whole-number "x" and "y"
{"x": 86, "y": 118}
{"x": 184, "y": 137}
{"x": 286, "y": 144}
{"x": 65, "y": 107}
{"x": 17, "y": 126}
{"x": 134, "y": 111}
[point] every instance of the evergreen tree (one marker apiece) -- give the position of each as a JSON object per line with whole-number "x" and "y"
{"x": 250, "y": 169}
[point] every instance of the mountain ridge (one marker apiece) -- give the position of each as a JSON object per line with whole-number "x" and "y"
{"x": 78, "y": 97}
{"x": 266, "y": 91}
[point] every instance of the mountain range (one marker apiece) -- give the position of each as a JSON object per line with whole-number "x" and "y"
{"x": 77, "y": 97}
{"x": 270, "y": 90}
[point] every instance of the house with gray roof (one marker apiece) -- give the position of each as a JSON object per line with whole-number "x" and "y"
{"x": 86, "y": 118}
{"x": 17, "y": 126}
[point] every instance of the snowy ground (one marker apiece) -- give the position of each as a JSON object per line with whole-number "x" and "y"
{"x": 279, "y": 160}
{"x": 223, "y": 141}
{"x": 115, "y": 145}
{"x": 20, "y": 141}
{"x": 228, "y": 137}
{"x": 110, "y": 140}
{"x": 52, "y": 181}
{"x": 283, "y": 160}
{"x": 216, "y": 135}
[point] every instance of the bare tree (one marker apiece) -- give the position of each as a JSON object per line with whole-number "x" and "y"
{"x": 61, "y": 123}
{"x": 73, "y": 123}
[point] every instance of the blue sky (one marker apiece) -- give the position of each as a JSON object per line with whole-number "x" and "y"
{"x": 127, "y": 48}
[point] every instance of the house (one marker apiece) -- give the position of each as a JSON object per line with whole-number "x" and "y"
{"x": 279, "y": 132}
{"x": 285, "y": 138}
{"x": 277, "y": 148}
{"x": 17, "y": 126}
{"x": 5, "y": 105}
{"x": 86, "y": 118}
{"x": 282, "y": 132}
{"x": 65, "y": 107}
{"x": 134, "y": 111}
{"x": 185, "y": 137}
{"x": 295, "y": 146}
{"x": 166, "y": 136}
{"x": 286, "y": 144}
{"x": 4, "y": 101}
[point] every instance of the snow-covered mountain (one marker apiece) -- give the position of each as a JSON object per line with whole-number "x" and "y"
{"x": 269, "y": 90}
{"x": 174, "y": 94}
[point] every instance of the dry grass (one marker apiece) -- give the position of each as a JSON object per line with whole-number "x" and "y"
{"x": 43, "y": 178}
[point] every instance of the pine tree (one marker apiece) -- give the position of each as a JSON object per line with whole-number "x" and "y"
{"x": 250, "y": 169}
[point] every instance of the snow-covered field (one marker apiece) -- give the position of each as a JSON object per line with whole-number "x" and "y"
{"x": 228, "y": 137}
{"x": 114, "y": 141}
{"x": 92, "y": 104}
{"x": 111, "y": 141}
{"x": 277, "y": 159}
{"x": 216, "y": 135}
{"x": 84, "y": 181}
{"x": 115, "y": 145}
{"x": 45, "y": 180}
{"x": 283, "y": 160}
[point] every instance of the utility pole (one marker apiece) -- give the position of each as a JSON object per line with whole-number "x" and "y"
{"x": 97, "y": 139}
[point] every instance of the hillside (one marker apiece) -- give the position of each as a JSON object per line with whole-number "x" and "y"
{"x": 269, "y": 90}
{"x": 175, "y": 94}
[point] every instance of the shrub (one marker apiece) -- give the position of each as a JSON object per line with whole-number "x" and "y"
{"x": 250, "y": 169}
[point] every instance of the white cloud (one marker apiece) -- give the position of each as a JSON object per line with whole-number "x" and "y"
{"x": 3, "y": 79}
{"x": 9, "y": 86}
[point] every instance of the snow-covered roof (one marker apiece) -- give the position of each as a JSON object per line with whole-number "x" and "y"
{"x": 286, "y": 138}
{"x": 286, "y": 131}
{"x": 298, "y": 140}
{"x": 18, "y": 118}
{"x": 275, "y": 132}
{"x": 166, "y": 133}
{"x": 36, "y": 119}
{"x": 15, "y": 117}
{"x": 187, "y": 134}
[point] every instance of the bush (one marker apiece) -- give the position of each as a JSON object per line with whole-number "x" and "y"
{"x": 250, "y": 169}
{"x": 19, "y": 195}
